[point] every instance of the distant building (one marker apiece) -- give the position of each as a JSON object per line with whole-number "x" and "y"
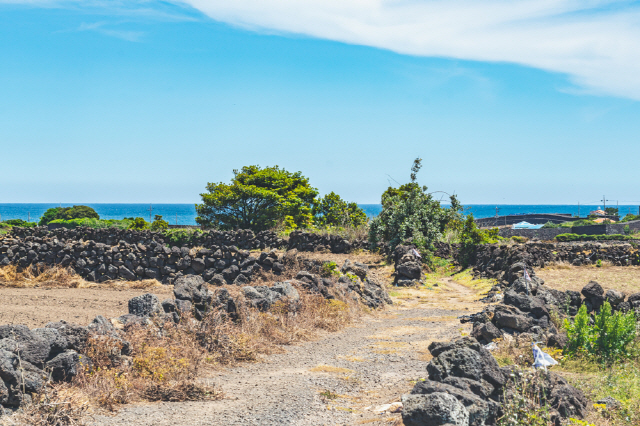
{"x": 598, "y": 212}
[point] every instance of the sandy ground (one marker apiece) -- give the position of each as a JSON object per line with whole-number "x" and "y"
{"x": 35, "y": 307}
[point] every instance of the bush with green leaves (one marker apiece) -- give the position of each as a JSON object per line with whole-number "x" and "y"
{"x": 629, "y": 217}
{"x": 331, "y": 210}
{"x": 159, "y": 224}
{"x": 576, "y": 237}
{"x": 411, "y": 213}
{"x": 609, "y": 337}
{"x": 20, "y": 223}
{"x": 68, "y": 213}
{"x": 257, "y": 199}
{"x": 92, "y": 223}
{"x": 471, "y": 237}
{"x": 180, "y": 237}
{"x": 139, "y": 224}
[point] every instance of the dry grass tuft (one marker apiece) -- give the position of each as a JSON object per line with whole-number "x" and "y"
{"x": 56, "y": 405}
{"x": 569, "y": 277}
{"x": 59, "y": 277}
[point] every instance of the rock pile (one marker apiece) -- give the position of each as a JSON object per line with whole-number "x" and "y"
{"x": 28, "y": 358}
{"x": 305, "y": 241}
{"x": 466, "y": 387}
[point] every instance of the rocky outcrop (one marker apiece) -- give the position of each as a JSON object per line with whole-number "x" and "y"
{"x": 408, "y": 266}
{"x": 464, "y": 370}
{"x": 30, "y": 358}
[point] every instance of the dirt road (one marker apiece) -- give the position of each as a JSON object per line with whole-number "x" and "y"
{"x": 339, "y": 379}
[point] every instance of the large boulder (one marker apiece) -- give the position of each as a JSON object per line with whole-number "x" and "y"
{"x": 192, "y": 288}
{"x": 483, "y": 410}
{"x": 614, "y": 297}
{"x": 435, "y": 409}
{"x": 147, "y": 305}
{"x": 67, "y": 365}
{"x": 76, "y": 335}
{"x": 21, "y": 341}
{"x": 464, "y": 358}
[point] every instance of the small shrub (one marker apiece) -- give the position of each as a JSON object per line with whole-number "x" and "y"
{"x": 139, "y": 224}
{"x": 599, "y": 263}
{"x": 519, "y": 239}
{"x": 68, "y": 213}
{"x": 20, "y": 223}
{"x": 159, "y": 223}
{"x": 608, "y": 339}
{"x": 329, "y": 269}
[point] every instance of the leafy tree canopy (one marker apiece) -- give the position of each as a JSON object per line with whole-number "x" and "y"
{"x": 331, "y": 210}
{"x": 159, "y": 223}
{"x": 410, "y": 212}
{"x": 68, "y": 213}
{"x": 258, "y": 198}
{"x": 139, "y": 224}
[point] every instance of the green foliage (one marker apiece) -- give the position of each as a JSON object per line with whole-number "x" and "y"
{"x": 599, "y": 263}
{"x": 551, "y": 225}
{"x": 576, "y": 237}
{"x": 68, "y": 213}
{"x": 411, "y": 213}
{"x": 608, "y": 339}
{"x": 329, "y": 269}
{"x": 257, "y": 198}
{"x": 159, "y": 224}
{"x": 92, "y": 223}
{"x": 519, "y": 239}
{"x": 180, "y": 237}
{"x": 331, "y": 210}
{"x": 139, "y": 224}
{"x": 627, "y": 230}
{"x": 471, "y": 236}
{"x": 611, "y": 211}
{"x": 20, "y": 223}
{"x": 629, "y": 217}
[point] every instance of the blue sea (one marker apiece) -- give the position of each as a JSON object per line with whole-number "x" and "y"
{"x": 185, "y": 214}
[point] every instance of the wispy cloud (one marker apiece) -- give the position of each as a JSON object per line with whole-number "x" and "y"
{"x": 594, "y": 42}
{"x": 101, "y": 27}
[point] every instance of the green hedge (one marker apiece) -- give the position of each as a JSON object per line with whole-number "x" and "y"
{"x": 92, "y": 223}
{"x": 576, "y": 237}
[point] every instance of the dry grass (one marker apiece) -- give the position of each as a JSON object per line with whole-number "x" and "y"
{"x": 568, "y": 277}
{"x": 56, "y": 405}
{"x": 59, "y": 277}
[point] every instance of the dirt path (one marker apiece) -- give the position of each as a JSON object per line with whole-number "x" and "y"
{"x": 339, "y": 379}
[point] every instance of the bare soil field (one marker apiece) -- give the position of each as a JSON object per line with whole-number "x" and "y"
{"x": 568, "y": 277}
{"x": 36, "y": 306}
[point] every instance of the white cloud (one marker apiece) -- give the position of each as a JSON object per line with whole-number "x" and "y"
{"x": 595, "y": 42}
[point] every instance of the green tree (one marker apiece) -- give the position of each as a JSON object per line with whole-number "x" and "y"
{"x": 139, "y": 224}
{"x": 258, "y": 198}
{"x": 611, "y": 211}
{"x": 331, "y": 210}
{"x": 410, "y": 212}
{"x": 68, "y": 213}
{"x": 159, "y": 223}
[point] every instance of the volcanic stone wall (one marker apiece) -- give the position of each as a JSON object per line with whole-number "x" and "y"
{"x": 493, "y": 260}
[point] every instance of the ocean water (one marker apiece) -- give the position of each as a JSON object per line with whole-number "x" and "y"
{"x": 185, "y": 214}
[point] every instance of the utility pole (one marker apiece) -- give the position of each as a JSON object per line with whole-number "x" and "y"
{"x": 497, "y": 215}
{"x": 604, "y": 203}
{"x": 176, "y": 218}
{"x": 150, "y": 210}
{"x": 29, "y": 217}
{"x": 578, "y": 209}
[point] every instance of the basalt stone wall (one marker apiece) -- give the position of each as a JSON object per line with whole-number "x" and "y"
{"x": 100, "y": 262}
{"x": 493, "y": 260}
{"x": 305, "y": 241}
{"x": 243, "y": 239}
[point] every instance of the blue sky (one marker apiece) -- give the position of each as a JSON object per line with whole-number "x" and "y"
{"x": 148, "y": 101}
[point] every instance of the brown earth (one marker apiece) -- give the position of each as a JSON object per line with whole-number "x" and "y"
{"x": 568, "y": 277}
{"x": 35, "y": 307}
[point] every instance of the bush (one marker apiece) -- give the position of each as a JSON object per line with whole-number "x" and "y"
{"x": 519, "y": 239}
{"x": 609, "y": 337}
{"x": 21, "y": 223}
{"x": 139, "y": 224}
{"x": 68, "y": 213}
{"x": 576, "y": 237}
{"x": 180, "y": 237}
{"x": 551, "y": 225}
{"x": 471, "y": 236}
{"x": 92, "y": 223}
{"x": 159, "y": 224}
{"x": 410, "y": 212}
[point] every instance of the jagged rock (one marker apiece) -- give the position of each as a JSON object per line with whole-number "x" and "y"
{"x": 192, "y": 288}
{"x": 67, "y": 365}
{"x": 21, "y": 341}
{"x": 147, "y": 305}
{"x": 434, "y": 409}
{"x": 482, "y": 410}
{"x": 614, "y": 297}
{"x": 76, "y": 335}
{"x": 558, "y": 340}
{"x": 592, "y": 290}
{"x": 486, "y": 331}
